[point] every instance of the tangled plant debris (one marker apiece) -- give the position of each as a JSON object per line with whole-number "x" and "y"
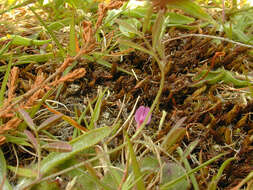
{"x": 74, "y": 72}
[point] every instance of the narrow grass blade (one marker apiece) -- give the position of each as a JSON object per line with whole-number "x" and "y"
{"x": 24, "y": 172}
{"x": 32, "y": 139}
{"x": 136, "y": 169}
{"x": 67, "y": 119}
{"x": 4, "y": 184}
{"x": 57, "y": 25}
{"x": 216, "y": 178}
{"x": 27, "y": 118}
{"x": 48, "y": 122}
{"x": 72, "y": 37}
{"x": 4, "y": 83}
{"x": 62, "y": 52}
{"x": 171, "y": 183}
{"x": 17, "y": 140}
{"x": 188, "y": 168}
{"x": 4, "y": 48}
{"x": 59, "y": 146}
{"x": 97, "y": 109}
{"x": 244, "y": 181}
{"x": 136, "y": 46}
{"x": 37, "y": 58}
{"x": 189, "y": 149}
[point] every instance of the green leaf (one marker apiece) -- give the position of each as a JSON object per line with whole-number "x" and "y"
{"x": 96, "y": 112}
{"x": 24, "y": 172}
{"x": 138, "y": 12}
{"x": 150, "y": 163}
{"x": 220, "y": 75}
{"x": 136, "y": 169}
{"x": 136, "y": 46}
{"x": 113, "y": 174}
{"x": 175, "y": 18}
{"x": 59, "y": 146}
{"x": 53, "y": 36}
{"x": 32, "y": 139}
{"x": 191, "y": 8}
{"x": 174, "y": 135}
{"x": 72, "y": 37}
{"x": 175, "y": 181}
{"x": 188, "y": 168}
{"x": 3, "y": 172}
{"x": 79, "y": 144}
{"x": 57, "y": 25}
{"x": 189, "y": 149}
{"x": 157, "y": 34}
{"x": 130, "y": 27}
{"x": 147, "y": 19}
{"x": 17, "y": 140}
{"x": 48, "y": 122}
{"x": 171, "y": 171}
{"x": 27, "y": 118}
{"x": 23, "y": 41}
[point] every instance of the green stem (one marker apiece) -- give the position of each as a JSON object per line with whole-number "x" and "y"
{"x": 161, "y": 66}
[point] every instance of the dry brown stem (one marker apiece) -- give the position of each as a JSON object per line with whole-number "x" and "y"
{"x": 2, "y": 140}
{"x": 11, "y": 124}
{"x": 78, "y": 73}
{"x": 12, "y": 83}
{"x": 88, "y": 35}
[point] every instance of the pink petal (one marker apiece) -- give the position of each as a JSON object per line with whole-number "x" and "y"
{"x": 146, "y": 113}
{"x": 141, "y": 114}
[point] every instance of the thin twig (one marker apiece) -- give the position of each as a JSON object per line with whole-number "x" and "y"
{"x": 209, "y": 36}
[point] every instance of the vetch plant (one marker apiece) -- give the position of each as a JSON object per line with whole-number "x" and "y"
{"x": 140, "y": 115}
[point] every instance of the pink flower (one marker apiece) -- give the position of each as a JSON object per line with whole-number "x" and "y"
{"x": 141, "y": 114}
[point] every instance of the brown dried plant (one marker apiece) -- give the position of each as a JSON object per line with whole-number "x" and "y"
{"x": 12, "y": 83}
{"x": 43, "y": 84}
{"x": 104, "y": 8}
{"x": 78, "y": 73}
